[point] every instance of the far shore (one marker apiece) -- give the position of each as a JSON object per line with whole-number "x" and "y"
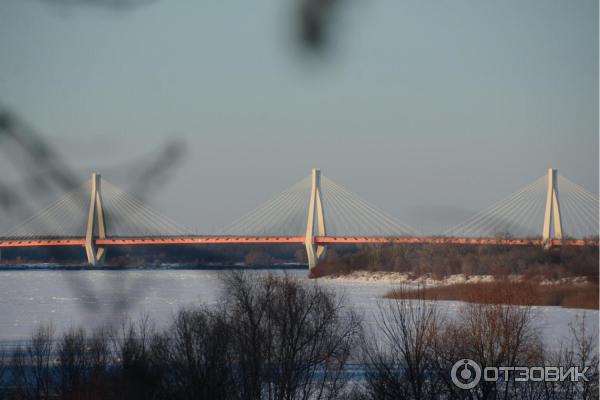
{"x": 570, "y": 292}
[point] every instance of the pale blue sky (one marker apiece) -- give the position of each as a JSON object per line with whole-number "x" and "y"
{"x": 429, "y": 109}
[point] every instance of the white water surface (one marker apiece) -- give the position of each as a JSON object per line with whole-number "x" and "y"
{"x": 94, "y": 298}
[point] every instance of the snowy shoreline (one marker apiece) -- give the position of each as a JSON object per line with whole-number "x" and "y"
{"x": 384, "y": 277}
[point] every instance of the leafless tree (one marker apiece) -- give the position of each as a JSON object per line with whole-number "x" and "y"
{"x": 3, "y": 364}
{"x": 31, "y": 365}
{"x": 197, "y": 354}
{"x": 100, "y": 360}
{"x": 289, "y": 341}
{"x": 581, "y": 351}
{"x": 401, "y": 361}
{"x": 138, "y": 375}
{"x": 491, "y": 335}
{"x": 72, "y": 364}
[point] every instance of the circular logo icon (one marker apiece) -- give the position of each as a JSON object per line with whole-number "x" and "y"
{"x": 465, "y": 374}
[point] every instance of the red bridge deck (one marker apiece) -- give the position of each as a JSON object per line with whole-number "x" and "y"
{"x": 288, "y": 239}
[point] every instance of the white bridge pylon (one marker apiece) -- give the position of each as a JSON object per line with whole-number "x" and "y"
{"x": 535, "y": 211}
{"x": 96, "y": 210}
{"x": 315, "y": 206}
{"x": 95, "y": 222}
{"x": 552, "y": 209}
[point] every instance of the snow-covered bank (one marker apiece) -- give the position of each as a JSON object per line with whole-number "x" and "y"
{"x": 402, "y": 278}
{"x": 398, "y": 278}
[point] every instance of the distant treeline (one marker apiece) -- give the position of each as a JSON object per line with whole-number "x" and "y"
{"x": 439, "y": 260}
{"x": 276, "y": 338}
{"x": 198, "y": 255}
{"x": 448, "y": 259}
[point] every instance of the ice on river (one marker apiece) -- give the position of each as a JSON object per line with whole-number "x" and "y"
{"x": 93, "y": 298}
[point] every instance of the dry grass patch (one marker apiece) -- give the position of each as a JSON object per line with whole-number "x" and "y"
{"x": 568, "y": 295}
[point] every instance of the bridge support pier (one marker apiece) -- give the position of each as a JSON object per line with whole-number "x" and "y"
{"x": 95, "y": 224}
{"x": 552, "y": 213}
{"x": 315, "y": 208}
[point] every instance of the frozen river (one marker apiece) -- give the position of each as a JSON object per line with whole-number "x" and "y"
{"x": 93, "y": 298}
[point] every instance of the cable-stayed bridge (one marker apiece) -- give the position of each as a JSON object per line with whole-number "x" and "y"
{"x": 316, "y": 211}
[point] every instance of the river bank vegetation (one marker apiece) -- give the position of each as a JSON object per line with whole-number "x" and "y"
{"x": 506, "y": 291}
{"x": 442, "y": 260}
{"x": 437, "y": 261}
{"x": 277, "y": 338}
